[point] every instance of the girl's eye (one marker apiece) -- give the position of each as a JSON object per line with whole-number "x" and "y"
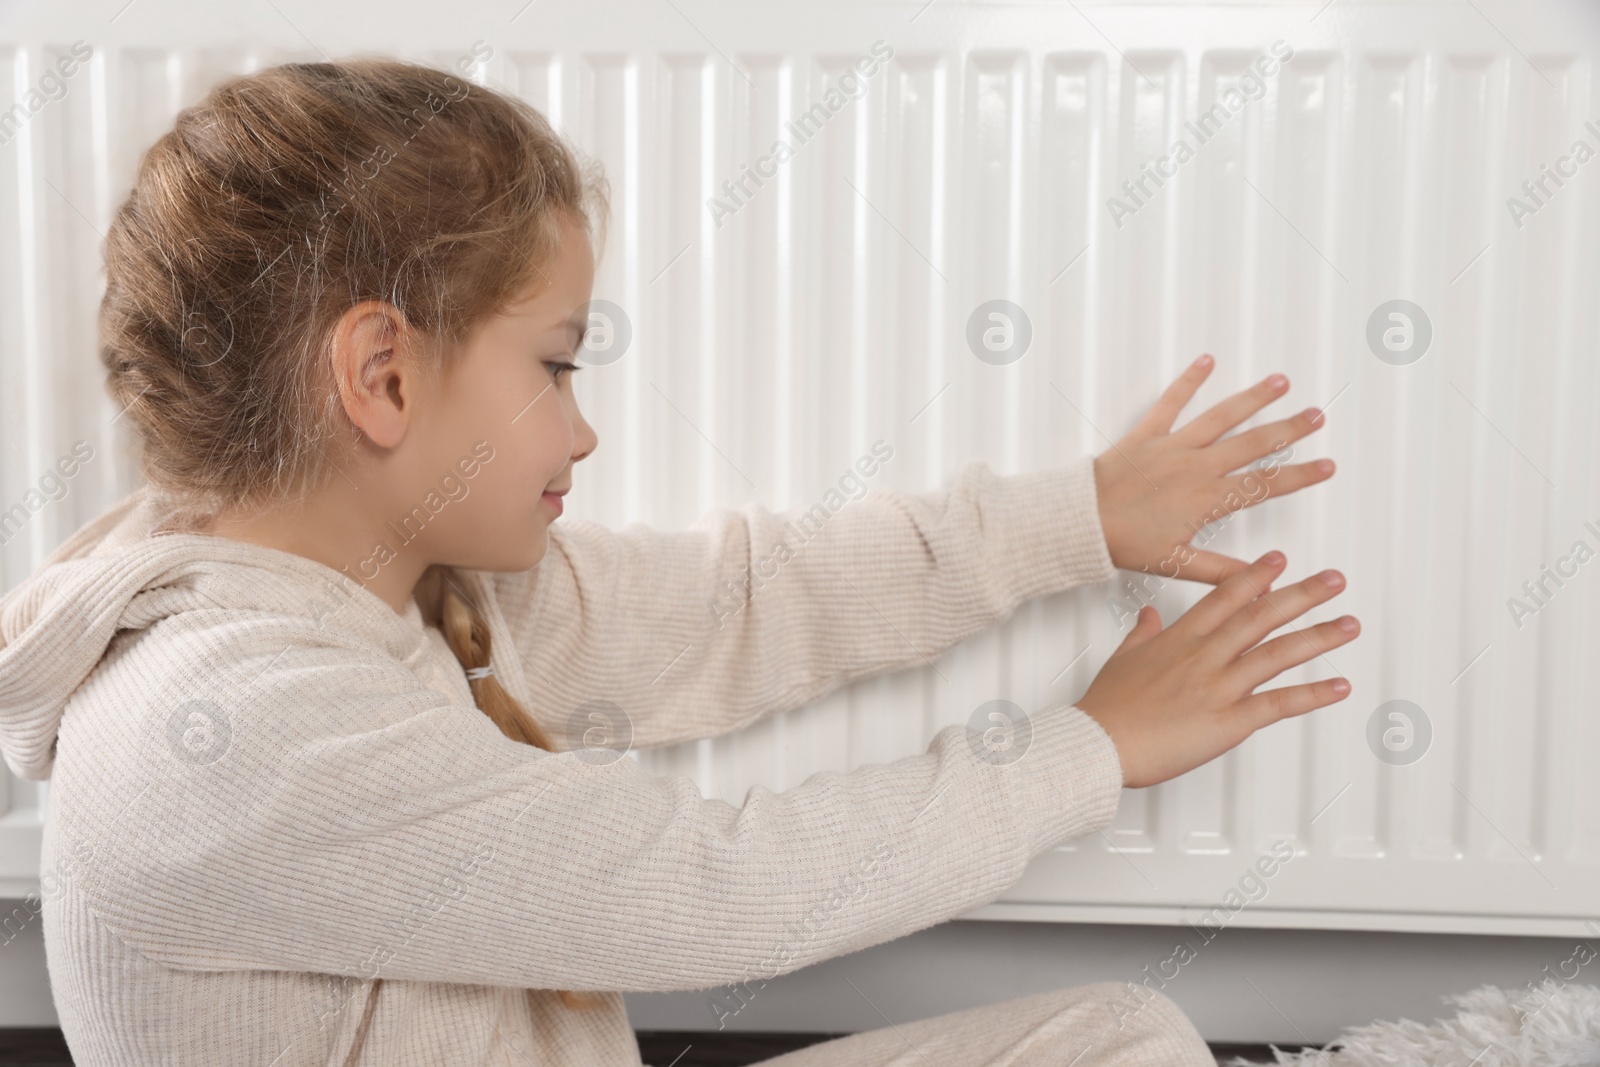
{"x": 558, "y": 369}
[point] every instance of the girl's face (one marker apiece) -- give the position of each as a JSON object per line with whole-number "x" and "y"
{"x": 505, "y": 410}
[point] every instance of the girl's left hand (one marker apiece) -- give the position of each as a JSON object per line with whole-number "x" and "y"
{"x": 1157, "y": 487}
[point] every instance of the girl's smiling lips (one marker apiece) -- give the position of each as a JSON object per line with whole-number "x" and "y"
{"x": 553, "y": 497}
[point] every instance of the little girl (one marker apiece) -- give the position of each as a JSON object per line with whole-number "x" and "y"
{"x": 336, "y": 715}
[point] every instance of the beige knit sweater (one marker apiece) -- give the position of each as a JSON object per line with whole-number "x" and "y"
{"x": 269, "y": 788}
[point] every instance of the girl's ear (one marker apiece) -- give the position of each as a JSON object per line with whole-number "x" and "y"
{"x": 372, "y": 370}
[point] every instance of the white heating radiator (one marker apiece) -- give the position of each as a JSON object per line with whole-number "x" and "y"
{"x": 774, "y": 343}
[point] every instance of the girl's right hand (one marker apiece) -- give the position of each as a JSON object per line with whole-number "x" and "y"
{"x": 1176, "y": 698}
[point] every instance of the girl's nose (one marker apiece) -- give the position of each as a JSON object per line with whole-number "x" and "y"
{"x": 584, "y": 439}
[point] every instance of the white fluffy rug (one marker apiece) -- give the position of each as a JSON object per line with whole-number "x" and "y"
{"x": 1492, "y": 1028}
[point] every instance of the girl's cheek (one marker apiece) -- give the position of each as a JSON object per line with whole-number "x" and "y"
{"x": 552, "y": 440}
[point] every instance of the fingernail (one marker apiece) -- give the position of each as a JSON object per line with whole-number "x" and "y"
{"x": 1203, "y": 362}
{"x": 1332, "y": 578}
{"x": 1278, "y": 383}
{"x": 1271, "y": 559}
{"x": 1314, "y": 414}
{"x": 1341, "y": 686}
{"x": 1347, "y": 624}
{"x": 1325, "y": 466}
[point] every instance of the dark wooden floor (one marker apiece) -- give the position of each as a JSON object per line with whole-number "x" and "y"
{"x": 672, "y": 1048}
{"x": 45, "y": 1047}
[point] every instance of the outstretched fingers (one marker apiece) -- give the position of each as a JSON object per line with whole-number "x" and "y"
{"x": 1233, "y": 593}
{"x": 1205, "y": 428}
{"x": 1264, "y": 709}
{"x": 1271, "y": 658}
{"x": 1281, "y": 482}
{"x": 1255, "y": 620}
{"x": 1159, "y": 419}
{"x": 1231, "y": 453}
{"x": 1212, "y": 568}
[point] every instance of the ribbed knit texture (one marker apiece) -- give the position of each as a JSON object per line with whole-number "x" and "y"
{"x": 1103, "y": 1024}
{"x": 268, "y": 787}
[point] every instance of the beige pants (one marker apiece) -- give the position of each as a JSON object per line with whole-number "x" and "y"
{"x": 1072, "y": 1027}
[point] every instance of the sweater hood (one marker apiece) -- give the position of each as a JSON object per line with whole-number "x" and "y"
{"x": 122, "y": 572}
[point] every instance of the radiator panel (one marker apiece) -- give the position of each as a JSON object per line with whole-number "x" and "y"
{"x": 829, "y": 310}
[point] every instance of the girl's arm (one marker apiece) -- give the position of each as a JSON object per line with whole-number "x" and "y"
{"x": 659, "y": 622}
{"x": 361, "y": 824}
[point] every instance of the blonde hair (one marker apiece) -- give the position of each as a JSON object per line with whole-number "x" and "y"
{"x": 275, "y": 204}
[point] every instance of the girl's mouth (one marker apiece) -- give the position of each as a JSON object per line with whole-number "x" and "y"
{"x": 554, "y": 500}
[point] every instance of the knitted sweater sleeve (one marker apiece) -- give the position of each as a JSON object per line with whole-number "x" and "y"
{"x": 362, "y": 824}
{"x": 698, "y": 632}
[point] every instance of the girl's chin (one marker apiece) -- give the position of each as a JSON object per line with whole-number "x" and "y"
{"x": 530, "y": 549}
{"x": 538, "y": 545}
